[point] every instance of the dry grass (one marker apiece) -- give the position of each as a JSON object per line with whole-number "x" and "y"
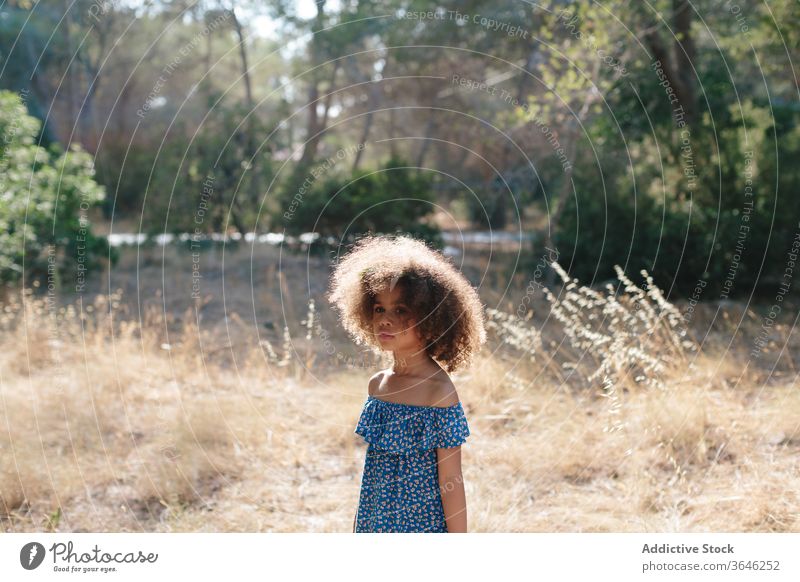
{"x": 595, "y": 411}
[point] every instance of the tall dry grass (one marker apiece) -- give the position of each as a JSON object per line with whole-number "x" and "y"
{"x": 594, "y": 411}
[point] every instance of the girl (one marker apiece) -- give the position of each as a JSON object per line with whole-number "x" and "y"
{"x": 395, "y": 293}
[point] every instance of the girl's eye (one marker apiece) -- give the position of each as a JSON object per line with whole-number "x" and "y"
{"x": 379, "y": 309}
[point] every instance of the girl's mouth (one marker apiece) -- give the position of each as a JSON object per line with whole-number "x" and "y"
{"x": 385, "y": 336}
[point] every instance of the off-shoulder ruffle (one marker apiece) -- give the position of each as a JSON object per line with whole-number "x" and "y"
{"x": 405, "y": 429}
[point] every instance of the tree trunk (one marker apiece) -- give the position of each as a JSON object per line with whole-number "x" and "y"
{"x": 502, "y": 163}
{"x": 684, "y": 49}
{"x": 426, "y": 142}
{"x": 679, "y": 70}
{"x": 314, "y": 127}
{"x": 560, "y": 200}
{"x": 392, "y": 131}
{"x": 254, "y": 166}
{"x": 375, "y": 92}
{"x": 71, "y": 80}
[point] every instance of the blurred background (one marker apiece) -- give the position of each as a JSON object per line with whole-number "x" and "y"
{"x": 619, "y": 180}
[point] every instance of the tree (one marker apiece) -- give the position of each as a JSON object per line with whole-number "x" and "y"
{"x": 390, "y": 199}
{"x": 45, "y": 197}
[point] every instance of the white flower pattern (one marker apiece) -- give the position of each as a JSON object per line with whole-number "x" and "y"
{"x": 400, "y": 483}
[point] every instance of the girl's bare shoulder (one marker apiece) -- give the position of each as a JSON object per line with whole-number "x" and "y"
{"x": 436, "y": 389}
{"x": 442, "y": 391}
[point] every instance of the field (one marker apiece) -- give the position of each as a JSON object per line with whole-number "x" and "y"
{"x": 147, "y": 409}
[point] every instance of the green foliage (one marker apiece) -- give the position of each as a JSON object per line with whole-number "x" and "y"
{"x": 640, "y": 209}
{"x": 599, "y": 230}
{"x": 715, "y": 232}
{"x": 45, "y": 197}
{"x": 225, "y": 148}
{"x": 590, "y": 95}
{"x": 488, "y": 207}
{"x": 391, "y": 199}
{"x": 194, "y": 181}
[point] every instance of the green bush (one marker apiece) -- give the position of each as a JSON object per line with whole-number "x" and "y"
{"x": 45, "y": 198}
{"x": 736, "y": 244}
{"x": 392, "y": 199}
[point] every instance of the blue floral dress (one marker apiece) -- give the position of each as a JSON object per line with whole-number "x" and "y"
{"x": 400, "y": 483}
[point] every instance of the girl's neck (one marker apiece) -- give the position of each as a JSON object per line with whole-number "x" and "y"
{"x": 412, "y": 364}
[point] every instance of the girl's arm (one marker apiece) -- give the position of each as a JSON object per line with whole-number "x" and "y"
{"x": 451, "y": 486}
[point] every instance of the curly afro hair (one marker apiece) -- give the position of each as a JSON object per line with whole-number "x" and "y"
{"x": 445, "y": 306}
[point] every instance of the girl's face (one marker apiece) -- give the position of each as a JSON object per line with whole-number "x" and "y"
{"x": 393, "y": 323}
